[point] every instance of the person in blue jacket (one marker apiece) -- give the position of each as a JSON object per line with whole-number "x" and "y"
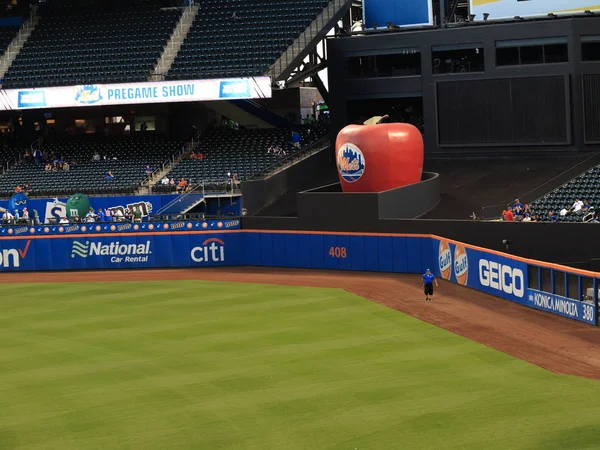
{"x": 428, "y": 280}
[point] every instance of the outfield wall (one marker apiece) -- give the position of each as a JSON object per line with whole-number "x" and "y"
{"x": 555, "y": 289}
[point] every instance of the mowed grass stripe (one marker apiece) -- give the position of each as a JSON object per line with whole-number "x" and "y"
{"x": 185, "y": 365}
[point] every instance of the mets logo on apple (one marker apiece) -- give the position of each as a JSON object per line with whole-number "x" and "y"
{"x": 350, "y": 162}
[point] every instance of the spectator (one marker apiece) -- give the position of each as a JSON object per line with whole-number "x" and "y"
{"x": 144, "y": 127}
{"x": 90, "y": 217}
{"x": 64, "y": 220}
{"x": 38, "y": 156}
{"x": 101, "y": 217}
{"x": 552, "y": 217}
{"x": 108, "y": 215}
{"x": 236, "y": 180}
{"x": 7, "y": 217}
{"x": 25, "y": 216}
{"x": 97, "y": 156}
{"x": 148, "y": 170}
{"x": 199, "y": 156}
{"x": 526, "y": 217}
{"x": 508, "y": 215}
{"x": 518, "y": 209}
{"x": 118, "y": 215}
{"x": 65, "y": 166}
{"x": 27, "y": 158}
{"x": 109, "y": 176}
{"x": 182, "y": 185}
{"x": 48, "y": 168}
{"x": 26, "y": 189}
{"x": 137, "y": 214}
{"x": 587, "y": 206}
{"x": 172, "y": 182}
{"x": 296, "y": 139}
{"x": 164, "y": 181}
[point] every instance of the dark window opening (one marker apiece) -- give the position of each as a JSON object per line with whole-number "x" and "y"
{"x": 590, "y": 51}
{"x": 458, "y": 61}
{"x": 550, "y": 53}
{"x": 406, "y": 63}
{"x": 399, "y": 110}
{"x": 533, "y": 54}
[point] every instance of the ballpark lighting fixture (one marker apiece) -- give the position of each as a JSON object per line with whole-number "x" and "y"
{"x": 485, "y": 16}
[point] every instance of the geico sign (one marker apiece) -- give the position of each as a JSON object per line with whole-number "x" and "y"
{"x": 502, "y": 278}
{"x": 212, "y": 250}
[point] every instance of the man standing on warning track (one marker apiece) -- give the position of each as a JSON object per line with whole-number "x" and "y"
{"x": 428, "y": 280}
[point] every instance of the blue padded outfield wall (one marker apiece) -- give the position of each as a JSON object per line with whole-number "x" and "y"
{"x": 222, "y": 243}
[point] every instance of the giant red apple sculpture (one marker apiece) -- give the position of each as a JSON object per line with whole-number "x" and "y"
{"x": 376, "y": 158}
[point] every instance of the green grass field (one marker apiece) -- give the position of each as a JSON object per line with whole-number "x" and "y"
{"x": 195, "y": 365}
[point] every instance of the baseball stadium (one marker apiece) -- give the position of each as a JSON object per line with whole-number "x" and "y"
{"x": 299, "y": 224}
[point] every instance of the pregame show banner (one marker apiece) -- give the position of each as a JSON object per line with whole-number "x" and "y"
{"x": 403, "y": 13}
{"x": 136, "y": 93}
{"x": 508, "y": 9}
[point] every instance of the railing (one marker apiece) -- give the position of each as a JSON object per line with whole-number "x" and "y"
{"x": 13, "y": 48}
{"x": 182, "y": 196}
{"x": 157, "y": 72}
{"x": 190, "y": 145}
{"x": 318, "y": 146}
{"x": 305, "y": 38}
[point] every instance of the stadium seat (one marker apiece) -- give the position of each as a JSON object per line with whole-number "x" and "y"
{"x": 131, "y": 153}
{"x": 243, "y": 152}
{"x": 76, "y": 45}
{"x": 218, "y": 45}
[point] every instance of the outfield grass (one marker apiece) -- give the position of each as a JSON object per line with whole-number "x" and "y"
{"x": 193, "y": 365}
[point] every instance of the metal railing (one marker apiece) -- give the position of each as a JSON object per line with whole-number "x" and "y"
{"x": 182, "y": 196}
{"x": 159, "y": 69}
{"x": 189, "y": 146}
{"x": 318, "y": 146}
{"x": 16, "y": 44}
{"x": 305, "y": 38}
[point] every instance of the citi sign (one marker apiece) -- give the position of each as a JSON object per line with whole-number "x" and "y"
{"x": 211, "y": 251}
{"x": 501, "y": 277}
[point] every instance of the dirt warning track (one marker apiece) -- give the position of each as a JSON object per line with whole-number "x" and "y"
{"x": 549, "y": 341}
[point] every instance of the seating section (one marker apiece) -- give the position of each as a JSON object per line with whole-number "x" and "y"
{"x": 221, "y": 44}
{"x": 243, "y": 152}
{"x": 585, "y": 187}
{"x": 7, "y": 34}
{"x": 87, "y": 175}
{"x": 77, "y": 45}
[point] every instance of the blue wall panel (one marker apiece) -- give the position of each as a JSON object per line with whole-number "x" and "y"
{"x": 280, "y": 242}
{"x": 304, "y": 251}
{"x": 317, "y": 254}
{"x": 329, "y": 245}
{"x": 386, "y": 253}
{"x": 266, "y": 249}
{"x": 414, "y": 255}
{"x": 400, "y": 256}
{"x": 371, "y": 247}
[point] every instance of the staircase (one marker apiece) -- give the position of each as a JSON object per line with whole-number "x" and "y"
{"x": 165, "y": 168}
{"x": 18, "y": 42}
{"x": 309, "y": 38}
{"x": 172, "y": 48}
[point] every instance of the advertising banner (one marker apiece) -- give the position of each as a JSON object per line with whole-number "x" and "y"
{"x": 487, "y": 272}
{"x": 508, "y": 9}
{"x": 121, "y": 251}
{"x": 403, "y": 13}
{"x": 562, "y": 306}
{"x": 50, "y": 210}
{"x": 136, "y": 93}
